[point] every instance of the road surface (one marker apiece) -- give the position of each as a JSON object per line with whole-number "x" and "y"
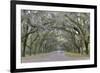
{"x": 53, "y": 56}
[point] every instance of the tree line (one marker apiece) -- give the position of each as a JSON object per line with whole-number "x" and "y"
{"x": 46, "y": 31}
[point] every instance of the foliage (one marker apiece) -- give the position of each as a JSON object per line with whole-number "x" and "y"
{"x": 47, "y": 31}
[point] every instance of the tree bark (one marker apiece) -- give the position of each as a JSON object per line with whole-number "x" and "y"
{"x": 86, "y": 46}
{"x": 24, "y": 46}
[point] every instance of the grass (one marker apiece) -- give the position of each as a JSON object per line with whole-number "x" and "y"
{"x": 36, "y": 55}
{"x": 72, "y": 54}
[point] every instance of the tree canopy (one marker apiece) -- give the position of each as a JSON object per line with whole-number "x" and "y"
{"x": 46, "y": 31}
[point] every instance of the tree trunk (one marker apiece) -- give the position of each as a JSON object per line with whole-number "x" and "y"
{"x": 24, "y": 43}
{"x": 30, "y": 51}
{"x": 24, "y": 46}
{"x": 79, "y": 50}
{"x": 86, "y": 46}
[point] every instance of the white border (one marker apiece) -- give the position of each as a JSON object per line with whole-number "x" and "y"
{"x": 20, "y": 65}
